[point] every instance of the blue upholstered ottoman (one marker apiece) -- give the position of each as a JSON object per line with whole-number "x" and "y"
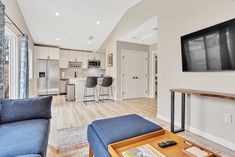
{"x": 101, "y": 133}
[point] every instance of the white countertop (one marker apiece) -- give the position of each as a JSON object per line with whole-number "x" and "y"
{"x": 77, "y": 78}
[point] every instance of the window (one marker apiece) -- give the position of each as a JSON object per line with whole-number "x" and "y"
{"x": 10, "y": 65}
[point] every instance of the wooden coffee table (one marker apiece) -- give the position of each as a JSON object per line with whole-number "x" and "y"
{"x": 153, "y": 139}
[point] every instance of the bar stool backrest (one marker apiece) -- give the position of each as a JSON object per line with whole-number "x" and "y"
{"x": 91, "y": 82}
{"x": 107, "y": 82}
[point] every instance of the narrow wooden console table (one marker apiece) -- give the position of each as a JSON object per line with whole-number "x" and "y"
{"x": 191, "y": 92}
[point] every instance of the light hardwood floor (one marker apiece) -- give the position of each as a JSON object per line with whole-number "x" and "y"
{"x": 77, "y": 114}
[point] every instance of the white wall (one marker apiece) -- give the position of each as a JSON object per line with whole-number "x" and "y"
{"x": 13, "y": 11}
{"x": 176, "y": 18}
{"x": 205, "y": 114}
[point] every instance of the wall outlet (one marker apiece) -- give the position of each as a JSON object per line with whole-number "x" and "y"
{"x": 228, "y": 118}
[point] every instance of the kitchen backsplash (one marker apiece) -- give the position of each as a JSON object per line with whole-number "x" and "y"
{"x": 81, "y": 73}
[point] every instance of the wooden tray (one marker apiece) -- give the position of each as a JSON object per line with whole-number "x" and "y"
{"x": 115, "y": 149}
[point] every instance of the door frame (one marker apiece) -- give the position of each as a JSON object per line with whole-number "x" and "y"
{"x": 122, "y": 70}
{"x": 153, "y": 72}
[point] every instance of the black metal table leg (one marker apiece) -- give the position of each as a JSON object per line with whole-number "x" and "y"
{"x": 183, "y": 112}
{"x": 173, "y": 113}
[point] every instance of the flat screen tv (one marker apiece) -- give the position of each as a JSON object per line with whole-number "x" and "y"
{"x": 210, "y": 49}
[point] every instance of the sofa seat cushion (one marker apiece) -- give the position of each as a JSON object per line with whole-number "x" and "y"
{"x": 121, "y": 128}
{"x": 24, "y": 138}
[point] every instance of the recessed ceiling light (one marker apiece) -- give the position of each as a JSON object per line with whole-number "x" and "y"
{"x": 88, "y": 43}
{"x": 57, "y": 14}
{"x": 97, "y": 22}
{"x": 57, "y": 39}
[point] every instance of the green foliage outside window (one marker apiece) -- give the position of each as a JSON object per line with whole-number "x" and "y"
{"x": 7, "y": 50}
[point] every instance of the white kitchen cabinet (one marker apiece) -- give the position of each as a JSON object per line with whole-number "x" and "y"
{"x": 64, "y": 59}
{"x": 84, "y": 60}
{"x": 42, "y": 52}
{"x": 96, "y": 56}
{"x": 71, "y": 56}
{"x": 53, "y": 53}
{"x": 75, "y": 56}
{"x": 102, "y": 61}
{"x": 47, "y": 52}
{"x": 79, "y": 56}
{"x": 90, "y": 56}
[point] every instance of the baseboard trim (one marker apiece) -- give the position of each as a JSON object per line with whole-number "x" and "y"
{"x": 201, "y": 133}
{"x": 151, "y": 96}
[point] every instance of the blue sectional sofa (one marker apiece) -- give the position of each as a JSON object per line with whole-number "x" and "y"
{"x": 24, "y": 127}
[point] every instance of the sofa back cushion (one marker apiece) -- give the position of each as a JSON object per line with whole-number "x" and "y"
{"x": 13, "y": 110}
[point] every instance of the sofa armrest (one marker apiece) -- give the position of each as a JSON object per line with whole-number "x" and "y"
{"x": 13, "y": 110}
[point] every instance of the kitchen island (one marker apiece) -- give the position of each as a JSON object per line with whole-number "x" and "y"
{"x": 80, "y": 86}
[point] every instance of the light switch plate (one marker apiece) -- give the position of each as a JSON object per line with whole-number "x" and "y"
{"x": 228, "y": 118}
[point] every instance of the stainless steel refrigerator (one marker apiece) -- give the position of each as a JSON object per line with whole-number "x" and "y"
{"x": 48, "y": 77}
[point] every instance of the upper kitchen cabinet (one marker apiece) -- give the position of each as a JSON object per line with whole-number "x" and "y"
{"x": 93, "y": 56}
{"x": 75, "y": 56}
{"x": 90, "y": 56}
{"x": 54, "y": 53}
{"x": 47, "y": 52}
{"x": 102, "y": 61}
{"x": 96, "y": 56}
{"x": 85, "y": 60}
{"x": 64, "y": 59}
{"x": 42, "y": 52}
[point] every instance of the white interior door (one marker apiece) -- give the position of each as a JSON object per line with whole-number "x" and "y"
{"x": 134, "y": 74}
{"x": 141, "y": 75}
{"x": 128, "y": 76}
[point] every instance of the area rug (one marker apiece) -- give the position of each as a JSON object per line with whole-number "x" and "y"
{"x": 72, "y": 142}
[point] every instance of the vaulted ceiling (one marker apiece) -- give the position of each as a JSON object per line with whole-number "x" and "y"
{"x": 74, "y": 24}
{"x": 145, "y": 34}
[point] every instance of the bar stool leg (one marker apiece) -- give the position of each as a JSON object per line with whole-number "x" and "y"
{"x": 84, "y": 96}
{"x": 99, "y": 92}
{"x": 96, "y": 94}
{"x": 111, "y": 89}
{"x": 102, "y": 94}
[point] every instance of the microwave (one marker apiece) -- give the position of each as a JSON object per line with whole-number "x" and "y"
{"x": 93, "y": 63}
